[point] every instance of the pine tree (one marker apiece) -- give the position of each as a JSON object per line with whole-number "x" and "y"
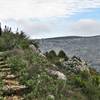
{"x": 62, "y": 54}
{"x": 51, "y": 54}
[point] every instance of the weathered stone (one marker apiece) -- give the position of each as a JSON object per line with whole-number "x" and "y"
{"x": 5, "y": 69}
{"x": 59, "y": 74}
{"x": 33, "y": 48}
{"x": 51, "y": 97}
{"x": 11, "y": 82}
{"x": 11, "y": 76}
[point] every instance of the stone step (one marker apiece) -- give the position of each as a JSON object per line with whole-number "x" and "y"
{"x": 1, "y": 58}
{"x": 10, "y": 76}
{"x": 4, "y": 66}
{"x": 2, "y": 62}
{"x": 10, "y": 82}
{"x": 13, "y": 98}
{"x": 14, "y": 89}
{"x": 3, "y": 74}
{"x": 7, "y": 75}
{"x": 5, "y": 70}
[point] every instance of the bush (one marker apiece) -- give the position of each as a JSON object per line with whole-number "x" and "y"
{"x": 43, "y": 85}
{"x": 17, "y": 64}
{"x": 1, "y": 91}
{"x": 51, "y": 54}
{"x": 62, "y": 55}
{"x": 88, "y": 84}
{"x": 6, "y": 41}
{"x": 91, "y": 91}
{"x": 9, "y": 40}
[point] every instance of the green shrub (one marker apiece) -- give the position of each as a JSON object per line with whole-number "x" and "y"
{"x": 43, "y": 85}
{"x": 91, "y": 91}
{"x": 88, "y": 84}
{"x": 9, "y": 40}
{"x": 1, "y": 91}
{"x": 51, "y": 54}
{"x": 17, "y": 64}
{"x": 62, "y": 54}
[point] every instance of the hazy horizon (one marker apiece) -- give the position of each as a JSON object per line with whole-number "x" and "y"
{"x": 68, "y": 36}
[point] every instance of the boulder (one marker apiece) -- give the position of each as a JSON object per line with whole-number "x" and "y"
{"x": 51, "y": 97}
{"x": 59, "y": 74}
{"x": 33, "y": 48}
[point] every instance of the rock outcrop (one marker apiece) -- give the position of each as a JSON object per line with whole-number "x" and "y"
{"x": 59, "y": 74}
{"x": 76, "y": 64}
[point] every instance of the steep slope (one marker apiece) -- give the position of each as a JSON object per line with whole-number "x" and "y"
{"x": 23, "y": 65}
{"x": 87, "y": 48}
{"x": 12, "y": 90}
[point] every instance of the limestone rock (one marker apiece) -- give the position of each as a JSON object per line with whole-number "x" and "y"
{"x": 51, "y": 97}
{"x": 33, "y": 48}
{"x": 59, "y": 74}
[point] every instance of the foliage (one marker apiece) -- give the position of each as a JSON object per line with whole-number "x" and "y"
{"x": 9, "y": 40}
{"x": 17, "y": 64}
{"x": 31, "y": 68}
{"x": 56, "y": 59}
{"x": 1, "y": 92}
{"x": 43, "y": 85}
{"x": 35, "y": 43}
{"x": 51, "y": 54}
{"x": 88, "y": 84}
{"x": 62, "y": 54}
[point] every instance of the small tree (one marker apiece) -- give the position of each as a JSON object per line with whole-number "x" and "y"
{"x": 22, "y": 35}
{"x": 6, "y": 29}
{"x": 62, "y": 54}
{"x": 51, "y": 54}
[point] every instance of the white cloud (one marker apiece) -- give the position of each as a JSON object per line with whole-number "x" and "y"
{"x": 38, "y": 29}
{"x": 43, "y": 29}
{"x": 85, "y": 27}
{"x": 34, "y": 29}
{"x": 17, "y": 13}
{"x": 20, "y": 9}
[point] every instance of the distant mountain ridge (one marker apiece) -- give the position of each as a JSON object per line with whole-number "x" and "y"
{"x": 87, "y": 48}
{"x": 69, "y": 37}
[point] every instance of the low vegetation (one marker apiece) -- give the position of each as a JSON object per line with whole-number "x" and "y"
{"x": 32, "y": 69}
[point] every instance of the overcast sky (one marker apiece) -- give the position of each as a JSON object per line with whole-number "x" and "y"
{"x": 52, "y": 18}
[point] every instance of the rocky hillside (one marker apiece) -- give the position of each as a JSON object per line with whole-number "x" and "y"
{"x": 87, "y": 48}
{"x": 27, "y": 74}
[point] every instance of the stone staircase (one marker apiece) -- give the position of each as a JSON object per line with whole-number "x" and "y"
{"x": 12, "y": 89}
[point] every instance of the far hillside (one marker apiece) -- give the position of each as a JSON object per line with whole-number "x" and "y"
{"x": 87, "y": 48}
